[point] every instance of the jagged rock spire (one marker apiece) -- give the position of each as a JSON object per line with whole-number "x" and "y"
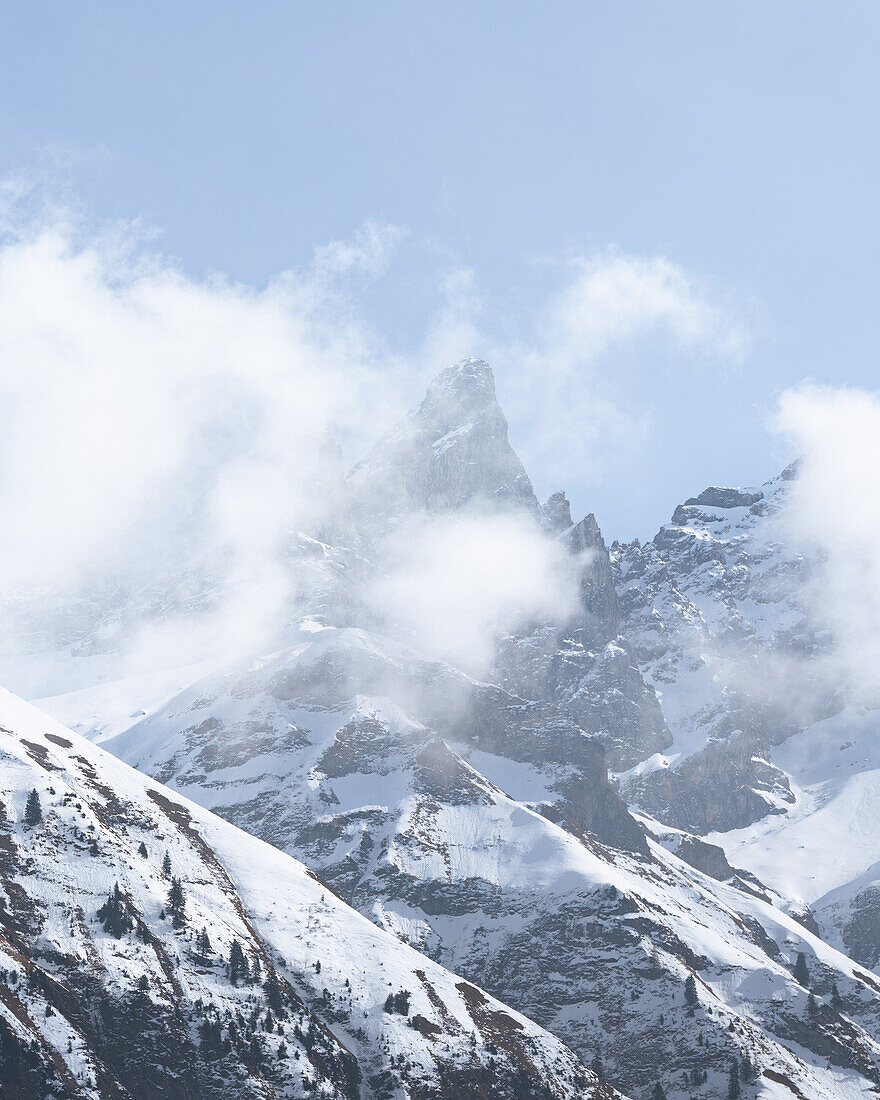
{"x": 451, "y": 451}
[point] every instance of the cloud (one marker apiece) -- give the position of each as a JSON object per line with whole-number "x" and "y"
{"x": 154, "y": 426}
{"x": 567, "y": 409}
{"x": 613, "y": 298}
{"x": 833, "y": 513}
{"x": 455, "y": 583}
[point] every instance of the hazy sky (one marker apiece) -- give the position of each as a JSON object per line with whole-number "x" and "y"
{"x": 714, "y": 164}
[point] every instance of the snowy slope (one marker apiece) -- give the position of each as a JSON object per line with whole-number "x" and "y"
{"x": 445, "y": 825}
{"x": 75, "y": 1022}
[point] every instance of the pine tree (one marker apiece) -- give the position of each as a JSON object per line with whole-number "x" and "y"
{"x": 273, "y": 993}
{"x": 166, "y": 865}
{"x": 597, "y": 1065}
{"x": 113, "y": 914}
{"x": 142, "y": 850}
{"x": 801, "y": 971}
{"x": 659, "y": 1092}
{"x": 203, "y": 945}
{"x": 733, "y": 1087}
{"x": 812, "y": 1006}
{"x": 398, "y": 1002}
{"x": 238, "y": 967}
{"x": 282, "y": 1049}
{"x": 836, "y": 998}
{"x": 33, "y": 811}
{"x": 177, "y": 903}
{"x": 748, "y": 1072}
{"x": 690, "y": 990}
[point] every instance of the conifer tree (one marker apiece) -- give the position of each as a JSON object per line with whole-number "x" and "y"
{"x": 166, "y": 865}
{"x": 812, "y": 1006}
{"x": 690, "y": 990}
{"x": 203, "y": 945}
{"x": 801, "y": 971}
{"x": 659, "y": 1092}
{"x": 597, "y": 1065}
{"x": 33, "y": 811}
{"x": 273, "y": 993}
{"x": 142, "y": 850}
{"x": 733, "y": 1087}
{"x": 113, "y": 914}
{"x": 238, "y": 967}
{"x": 748, "y": 1071}
{"x": 177, "y": 903}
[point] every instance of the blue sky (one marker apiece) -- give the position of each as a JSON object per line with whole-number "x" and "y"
{"x": 737, "y": 142}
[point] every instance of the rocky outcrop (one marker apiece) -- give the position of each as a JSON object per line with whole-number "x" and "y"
{"x": 714, "y": 612}
{"x": 584, "y": 666}
{"x": 450, "y": 452}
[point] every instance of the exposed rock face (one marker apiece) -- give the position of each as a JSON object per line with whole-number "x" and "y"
{"x": 556, "y": 513}
{"x": 433, "y": 699}
{"x": 451, "y": 451}
{"x": 713, "y": 610}
{"x": 585, "y": 666}
{"x": 849, "y": 917}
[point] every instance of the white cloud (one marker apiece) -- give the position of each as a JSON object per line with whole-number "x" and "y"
{"x": 834, "y": 514}
{"x": 137, "y": 403}
{"x": 614, "y": 298}
{"x": 455, "y": 583}
{"x": 568, "y": 411}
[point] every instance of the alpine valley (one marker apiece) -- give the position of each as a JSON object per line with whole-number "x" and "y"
{"x": 634, "y": 851}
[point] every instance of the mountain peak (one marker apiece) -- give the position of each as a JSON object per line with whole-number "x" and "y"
{"x": 449, "y": 451}
{"x": 458, "y": 394}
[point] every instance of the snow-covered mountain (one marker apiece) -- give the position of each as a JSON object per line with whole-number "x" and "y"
{"x": 480, "y": 829}
{"x": 148, "y": 948}
{"x": 707, "y": 910}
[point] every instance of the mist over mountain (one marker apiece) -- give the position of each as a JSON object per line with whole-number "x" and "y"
{"x": 622, "y": 789}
